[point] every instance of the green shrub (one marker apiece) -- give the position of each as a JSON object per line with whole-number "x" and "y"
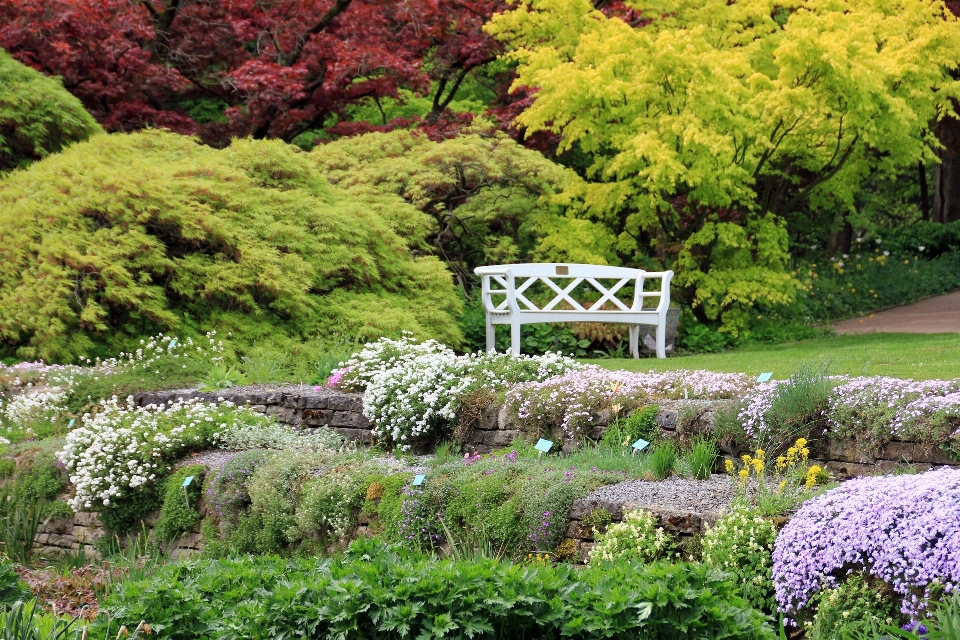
{"x": 12, "y": 587}
{"x": 641, "y": 423}
{"x": 636, "y": 539}
{"x": 701, "y": 458}
{"x": 329, "y": 503}
{"x": 176, "y": 235}
{"x": 853, "y": 607}
{"x": 797, "y": 409}
{"x": 376, "y": 592}
{"x": 7, "y": 467}
{"x": 37, "y": 115}
{"x": 662, "y": 461}
{"x": 179, "y": 513}
{"x": 741, "y": 544}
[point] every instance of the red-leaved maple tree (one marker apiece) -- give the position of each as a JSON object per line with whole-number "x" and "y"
{"x": 267, "y": 68}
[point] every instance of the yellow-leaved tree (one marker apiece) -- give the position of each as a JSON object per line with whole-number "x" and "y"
{"x": 705, "y": 121}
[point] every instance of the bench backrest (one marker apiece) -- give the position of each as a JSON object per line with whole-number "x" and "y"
{"x": 500, "y": 280}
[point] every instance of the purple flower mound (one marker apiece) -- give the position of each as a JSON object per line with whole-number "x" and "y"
{"x": 904, "y": 530}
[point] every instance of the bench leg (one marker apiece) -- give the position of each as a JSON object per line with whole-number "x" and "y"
{"x": 515, "y": 338}
{"x": 491, "y": 336}
{"x": 635, "y": 340}
{"x": 662, "y": 339}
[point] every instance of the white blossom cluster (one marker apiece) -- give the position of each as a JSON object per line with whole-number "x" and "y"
{"x": 273, "y": 435}
{"x": 412, "y": 390}
{"x": 122, "y": 447}
{"x": 23, "y": 411}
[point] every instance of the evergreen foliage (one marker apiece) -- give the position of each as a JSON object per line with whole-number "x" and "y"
{"x": 127, "y": 235}
{"x": 490, "y": 200}
{"x": 37, "y": 115}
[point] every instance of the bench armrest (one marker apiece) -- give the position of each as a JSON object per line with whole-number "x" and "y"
{"x": 503, "y": 277}
{"x": 663, "y": 294}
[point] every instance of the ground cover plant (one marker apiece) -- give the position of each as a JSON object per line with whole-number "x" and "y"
{"x": 376, "y": 591}
{"x": 900, "y": 533}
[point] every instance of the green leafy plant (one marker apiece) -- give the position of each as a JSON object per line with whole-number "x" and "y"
{"x": 662, "y": 461}
{"x": 702, "y": 457}
{"x": 641, "y": 423}
{"x": 741, "y": 544}
{"x": 798, "y": 407}
{"x": 38, "y": 116}
{"x": 12, "y": 587}
{"x": 598, "y": 520}
{"x": 635, "y": 539}
{"x": 179, "y": 513}
{"x": 373, "y": 587}
{"x": 221, "y": 376}
{"x": 20, "y": 522}
{"x": 854, "y": 607}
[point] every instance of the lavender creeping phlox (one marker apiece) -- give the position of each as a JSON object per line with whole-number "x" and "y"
{"x": 573, "y": 400}
{"x": 903, "y": 530}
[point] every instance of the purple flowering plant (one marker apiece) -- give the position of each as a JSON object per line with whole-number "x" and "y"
{"x": 901, "y": 530}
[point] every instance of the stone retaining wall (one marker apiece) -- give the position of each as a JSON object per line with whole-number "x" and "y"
{"x": 297, "y": 405}
{"x": 305, "y": 406}
{"x": 81, "y": 532}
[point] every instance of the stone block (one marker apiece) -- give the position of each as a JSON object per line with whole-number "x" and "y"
{"x": 490, "y": 417}
{"x": 346, "y": 419}
{"x": 315, "y": 401}
{"x": 258, "y": 408}
{"x": 667, "y": 419}
{"x": 585, "y": 549}
{"x": 581, "y": 508}
{"x": 86, "y": 519}
{"x": 910, "y": 452}
{"x": 64, "y": 525}
{"x": 345, "y": 402}
{"x": 671, "y": 520}
{"x": 316, "y": 417}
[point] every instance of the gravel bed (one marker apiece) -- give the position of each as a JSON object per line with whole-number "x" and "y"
{"x": 679, "y": 494}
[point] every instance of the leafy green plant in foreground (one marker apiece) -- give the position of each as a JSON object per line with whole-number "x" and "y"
{"x": 376, "y": 591}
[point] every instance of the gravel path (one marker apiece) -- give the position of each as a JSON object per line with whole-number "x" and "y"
{"x": 680, "y": 494}
{"x": 940, "y": 314}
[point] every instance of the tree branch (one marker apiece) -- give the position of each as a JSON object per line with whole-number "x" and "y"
{"x": 339, "y": 6}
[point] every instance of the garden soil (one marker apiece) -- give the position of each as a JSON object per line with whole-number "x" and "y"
{"x": 933, "y": 315}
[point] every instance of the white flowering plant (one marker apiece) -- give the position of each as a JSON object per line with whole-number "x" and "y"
{"x": 413, "y": 390}
{"x": 637, "y": 538}
{"x": 741, "y": 544}
{"x": 30, "y": 415}
{"x": 116, "y": 456}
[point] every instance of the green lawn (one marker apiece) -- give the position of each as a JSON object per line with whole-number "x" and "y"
{"x": 902, "y": 355}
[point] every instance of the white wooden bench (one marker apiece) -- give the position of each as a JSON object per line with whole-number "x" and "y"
{"x": 512, "y": 307}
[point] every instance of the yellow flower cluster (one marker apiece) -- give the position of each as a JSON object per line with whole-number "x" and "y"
{"x": 539, "y": 558}
{"x": 796, "y": 455}
{"x": 813, "y": 473}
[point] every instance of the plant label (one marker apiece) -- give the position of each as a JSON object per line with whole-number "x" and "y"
{"x": 172, "y": 344}
{"x": 543, "y": 446}
{"x": 71, "y": 423}
{"x": 418, "y": 479}
{"x": 765, "y": 377}
{"x": 640, "y": 444}
{"x": 187, "y": 481}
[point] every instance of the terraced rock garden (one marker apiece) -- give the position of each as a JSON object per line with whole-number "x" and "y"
{"x": 400, "y": 494}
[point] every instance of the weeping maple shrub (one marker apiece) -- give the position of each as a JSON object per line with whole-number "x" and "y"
{"x": 125, "y": 235}
{"x": 37, "y": 115}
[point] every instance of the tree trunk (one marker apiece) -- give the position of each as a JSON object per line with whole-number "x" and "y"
{"x": 946, "y": 193}
{"x": 840, "y": 240}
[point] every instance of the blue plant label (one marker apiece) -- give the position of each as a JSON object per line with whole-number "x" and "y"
{"x": 418, "y": 479}
{"x": 640, "y": 444}
{"x": 172, "y": 344}
{"x": 187, "y": 481}
{"x": 71, "y": 423}
{"x": 543, "y": 445}
{"x": 765, "y": 377}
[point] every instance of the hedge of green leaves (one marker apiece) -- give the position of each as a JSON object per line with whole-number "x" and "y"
{"x": 377, "y": 592}
{"x": 123, "y": 236}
